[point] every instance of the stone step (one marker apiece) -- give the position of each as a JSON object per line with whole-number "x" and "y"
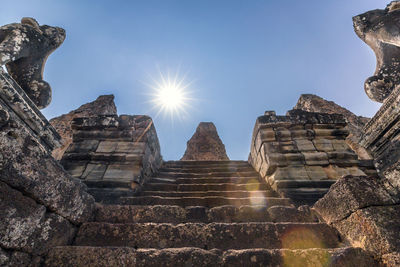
{"x": 177, "y": 214}
{"x": 204, "y": 164}
{"x": 303, "y": 183}
{"x": 206, "y": 174}
{"x": 205, "y": 187}
{"x": 209, "y": 180}
{"x": 83, "y": 256}
{"x": 303, "y": 196}
{"x": 267, "y": 193}
{"x": 206, "y": 170}
{"x": 214, "y": 235}
{"x": 210, "y": 201}
{"x": 107, "y": 184}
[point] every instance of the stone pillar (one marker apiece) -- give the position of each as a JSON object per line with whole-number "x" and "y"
{"x": 113, "y": 151}
{"x": 302, "y": 154}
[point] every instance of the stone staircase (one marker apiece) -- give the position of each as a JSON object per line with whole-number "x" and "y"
{"x": 198, "y": 213}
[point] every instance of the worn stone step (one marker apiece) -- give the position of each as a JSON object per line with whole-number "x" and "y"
{"x": 205, "y": 187}
{"x": 209, "y": 180}
{"x": 219, "y": 180}
{"x": 107, "y": 184}
{"x": 80, "y": 256}
{"x": 245, "y": 168}
{"x": 177, "y": 214}
{"x": 110, "y": 193}
{"x": 266, "y": 193}
{"x": 206, "y": 174}
{"x": 204, "y": 164}
{"x": 214, "y": 235}
{"x": 84, "y": 256}
{"x": 302, "y": 183}
{"x": 209, "y": 201}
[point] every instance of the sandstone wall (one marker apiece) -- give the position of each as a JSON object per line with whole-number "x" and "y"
{"x": 300, "y": 155}
{"x": 119, "y": 151}
{"x": 314, "y": 103}
{"x": 103, "y": 105}
{"x": 40, "y": 204}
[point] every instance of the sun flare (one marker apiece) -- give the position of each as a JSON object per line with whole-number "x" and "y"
{"x": 170, "y": 95}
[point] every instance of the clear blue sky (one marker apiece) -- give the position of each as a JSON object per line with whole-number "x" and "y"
{"x": 244, "y": 57}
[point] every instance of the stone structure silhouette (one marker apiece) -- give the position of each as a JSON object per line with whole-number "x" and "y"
{"x": 205, "y": 144}
{"x": 24, "y": 48}
{"x": 380, "y": 30}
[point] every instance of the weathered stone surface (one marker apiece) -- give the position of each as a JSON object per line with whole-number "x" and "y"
{"x": 292, "y": 214}
{"x": 14, "y": 100}
{"x": 304, "y": 258}
{"x": 112, "y": 150}
{"x": 20, "y": 259}
{"x": 27, "y": 166}
{"x": 308, "y": 146}
{"x": 350, "y": 194}
{"x": 24, "y": 48}
{"x": 374, "y": 229}
{"x": 103, "y": 105}
{"x": 112, "y": 256}
{"x": 382, "y": 137}
{"x": 205, "y": 144}
{"x": 314, "y": 103}
{"x": 213, "y": 235}
{"x": 391, "y": 259}
{"x": 27, "y": 226}
{"x": 380, "y": 30}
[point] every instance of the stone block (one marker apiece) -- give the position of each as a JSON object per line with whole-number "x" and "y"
{"x": 350, "y": 194}
{"x": 355, "y": 171}
{"x": 316, "y": 158}
{"x": 294, "y": 158}
{"x": 94, "y": 172}
{"x": 75, "y": 169}
{"x": 323, "y": 145}
{"x": 283, "y": 134}
{"x": 264, "y": 135}
{"x": 131, "y": 147}
{"x": 305, "y": 145}
{"x": 334, "y": 172}
{"x": 27, "y": 226}
{"x": 375, "y": 229}
{"x": 289, "y": 173}
{"x": 332, "y": 133}
{"x": 343, "y": 158}
{"x": 83, "y": 146}
{"x": 340, "y": 145}
{"x": 316, "y": 173}
{"x": 107, "y": 147}
{"x": 126, "y": 173}
{"x": 302, "y": 134}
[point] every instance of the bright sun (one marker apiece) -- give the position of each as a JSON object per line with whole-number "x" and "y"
{"x": 170, "y": 95}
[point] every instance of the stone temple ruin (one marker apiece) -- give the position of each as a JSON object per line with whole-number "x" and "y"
{"x": 90, "y": 188}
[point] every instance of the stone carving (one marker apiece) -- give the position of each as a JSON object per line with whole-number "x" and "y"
{"x": 24, "y": 48}
{"x": 205, "y": 144}
{"x": 380, "y": 29}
